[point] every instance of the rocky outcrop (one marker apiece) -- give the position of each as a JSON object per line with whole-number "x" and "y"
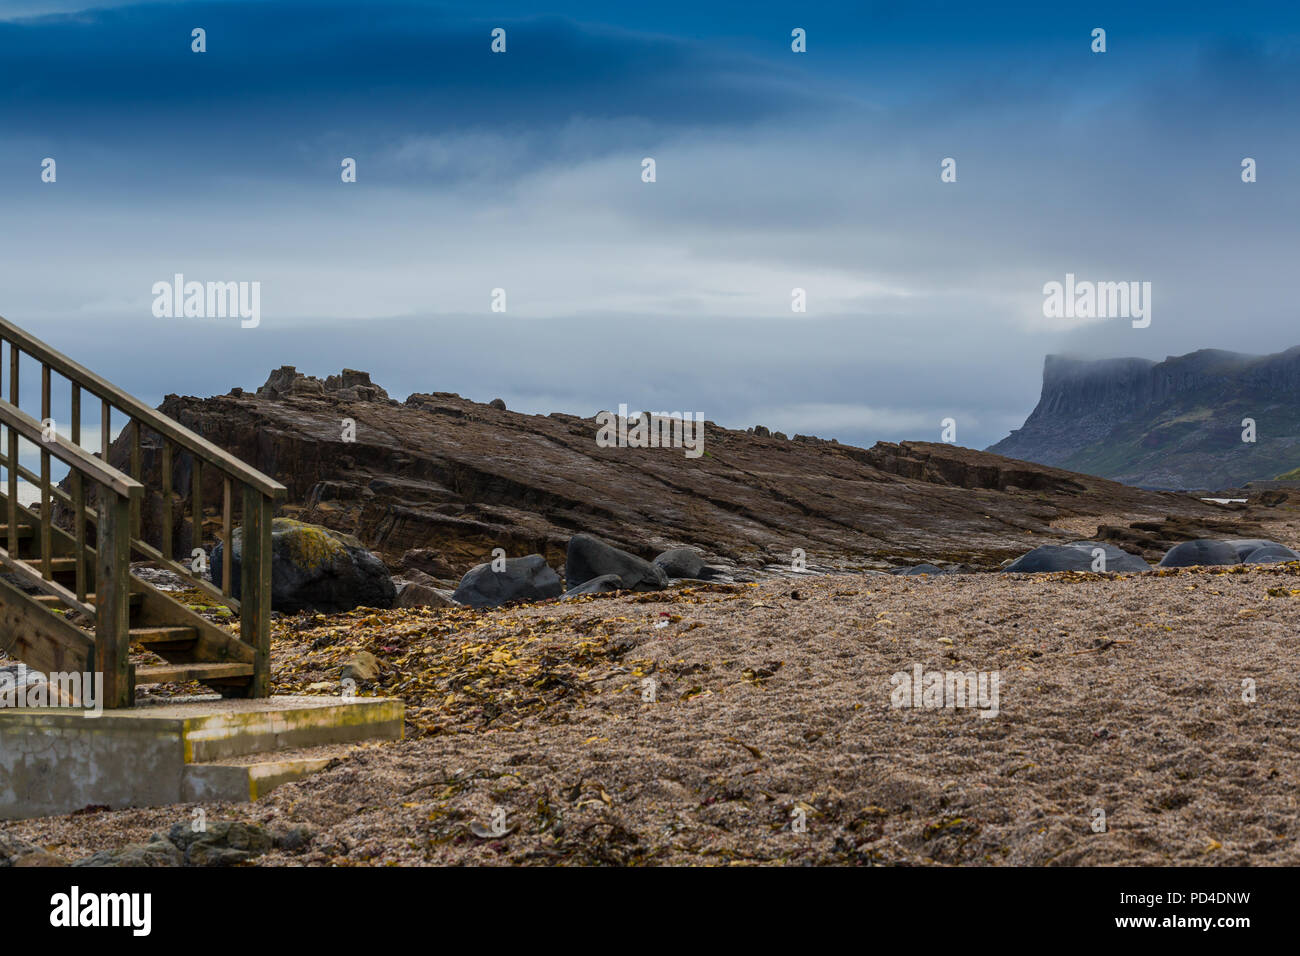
{"x": 1171, "y": 424}
{"x": 350, "y": 386}
{"x": 454, "y": 479}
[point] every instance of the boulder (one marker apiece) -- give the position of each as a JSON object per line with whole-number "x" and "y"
{"x": 1261, "y": 551}
{"x": 919, "y": 569}
{"x": 1245, "y": 546}
{"x": 16, "y": 852}
{"x": 1202, "y": 551}
{"x": 428, "y": 561}
{"x": 220, "y": 843}
{"x": 600, "y": 585}
{"x": 684, "y": 563}
{"x": 419, "y": 594}
{"x": 159, "y": 851}
{"x": 1075, "y": 556}
{"x": 589, "y": 557}
{"x": 1271, "y": 554}
{"x": 314, "y": 569}
{"x": 523, "y": 579}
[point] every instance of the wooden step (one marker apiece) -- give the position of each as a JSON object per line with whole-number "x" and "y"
{"x": 164, "y": 635}
{"x": 24, "y": 531}
{"x": 58, "y": 565}
{"x": 175, "y": 673}
{"x": 51, "y": 601}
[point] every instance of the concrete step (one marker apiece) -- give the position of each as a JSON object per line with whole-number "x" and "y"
{"x": 256, "y": 775}
{"x": 294, "y": 723}
{"x": 171, "y": 752}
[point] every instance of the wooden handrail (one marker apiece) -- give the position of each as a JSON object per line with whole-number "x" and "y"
{"x": 111, "y": 554}
{"x": 74, "y": 456}
{"x": 106, "y": 391}
{"x": 118, "y": 532}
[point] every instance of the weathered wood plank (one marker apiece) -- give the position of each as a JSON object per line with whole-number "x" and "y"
{"x": 255, "y": 587}
{"x": 20, "y": 423}
{"x": 166, "y": 466}
{"x": 225, "y": 537}
{"x": 135, "y": 473}
{"x": 79, "y": 530}
{"x": 14, "y": 356}
{"x": 138, "y": 410}
{"x": 44, "y": 641}
{"x": 112, "y": 604}
{"x": 172, "y": 673}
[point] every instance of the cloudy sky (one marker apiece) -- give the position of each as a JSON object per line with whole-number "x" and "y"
{"x": 775, "y": 170}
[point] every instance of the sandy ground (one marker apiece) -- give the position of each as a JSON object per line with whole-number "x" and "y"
{"x": 1121, "y": 694}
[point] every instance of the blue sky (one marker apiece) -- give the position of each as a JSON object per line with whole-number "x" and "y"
{"x": 775, "y": 170}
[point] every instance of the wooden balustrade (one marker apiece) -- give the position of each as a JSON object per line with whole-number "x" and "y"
{"x": 119, "y": 502}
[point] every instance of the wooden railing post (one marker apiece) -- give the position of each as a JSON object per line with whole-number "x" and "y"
{"x": 255, "y": 587}
{"x": 112, "y": 599}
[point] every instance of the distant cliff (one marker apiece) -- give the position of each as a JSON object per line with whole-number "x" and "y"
{"x": 1172, "y": 424}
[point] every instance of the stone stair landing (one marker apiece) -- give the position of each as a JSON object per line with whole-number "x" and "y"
{"x": 58, "y": 760}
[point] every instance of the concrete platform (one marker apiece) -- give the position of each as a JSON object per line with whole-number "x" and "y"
{"x": 58, "y": 760}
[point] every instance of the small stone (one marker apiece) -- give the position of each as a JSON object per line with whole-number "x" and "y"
{"x": 294, "y": 839}
{"x": 363, "y": 668}
{"x": 417, "y": 594}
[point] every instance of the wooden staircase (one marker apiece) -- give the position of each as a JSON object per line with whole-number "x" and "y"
{"x": 70, "y": 603}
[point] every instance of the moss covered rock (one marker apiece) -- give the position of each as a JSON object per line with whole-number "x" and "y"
{"x": 314, "y": 569}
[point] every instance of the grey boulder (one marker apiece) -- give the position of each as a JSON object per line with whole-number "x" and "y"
{"x": 918, "y": 570}
{"x": 1075, "y": 556}
{"x": 1244, "y": 546}
{"x": 157, "y": 852}
{"x": 1271, "y": 553}
{"x": 313, "y": 569}
{"x": 528, "y": 578}
{"x": 221, "y": 843}
{"x": 589, "y": 557}
{"x": 600, "y": 585}
{"x": 684, "y": 563}
{"x": 1202, "y": 551}
{"x": 1262, "y": 551}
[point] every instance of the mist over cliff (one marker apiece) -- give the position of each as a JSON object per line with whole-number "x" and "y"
{"x": 1171, "y": 424}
